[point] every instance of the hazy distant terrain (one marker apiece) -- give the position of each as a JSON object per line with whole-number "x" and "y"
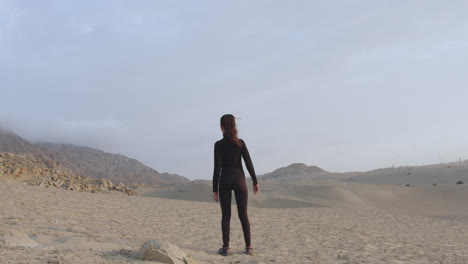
{"x": 448, "y": 173}
{"x": 90, "y": 162}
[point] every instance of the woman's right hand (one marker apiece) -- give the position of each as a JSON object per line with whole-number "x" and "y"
{"x": 215, "y": 196}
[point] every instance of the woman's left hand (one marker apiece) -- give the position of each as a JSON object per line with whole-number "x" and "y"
{"x": 215, "y": 196}
{"x": 256, "y": 189}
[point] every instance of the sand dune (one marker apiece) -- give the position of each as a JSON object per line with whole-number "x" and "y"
{"x": 443, "y": 200}
{"x": 39, "y": 225}
{"x": 416, "y": 175}
{"x": 326, "y": 219}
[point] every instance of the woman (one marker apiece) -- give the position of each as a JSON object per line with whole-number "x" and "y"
{"x": 229, "y": 175}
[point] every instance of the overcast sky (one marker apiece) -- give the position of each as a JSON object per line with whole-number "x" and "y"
{"x": 344, "y": 85}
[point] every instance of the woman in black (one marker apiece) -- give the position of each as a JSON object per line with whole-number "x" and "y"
{"x": 229, "y": 176}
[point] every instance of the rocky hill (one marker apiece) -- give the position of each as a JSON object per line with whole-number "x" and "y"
{"x": 295, "y": 171}
{"x": 93, "y": 163}
{"x": 10, "y": 142}
{"x": 115, "y": 167}
{"x": 34, "y": 169}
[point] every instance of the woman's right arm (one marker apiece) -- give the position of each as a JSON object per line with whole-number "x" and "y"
{"x": 217, "y": 167}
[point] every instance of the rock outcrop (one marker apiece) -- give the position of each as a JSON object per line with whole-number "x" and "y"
{"x": 35, "y": 169}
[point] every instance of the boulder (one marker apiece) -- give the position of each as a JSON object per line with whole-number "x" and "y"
{"x": 164, "y": 252}
{"x": 102, "y": 183}
{"x": 16, "y": 172}
{"x": 131, "y": 192}
{"x": 60, "y": 183}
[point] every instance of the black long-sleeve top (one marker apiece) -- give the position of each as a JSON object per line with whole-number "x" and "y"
{"x": 228, "y": 155}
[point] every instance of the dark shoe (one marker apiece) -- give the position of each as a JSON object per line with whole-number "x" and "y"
{"x": 249, "y": 251}
{"x": 224, "y": 251}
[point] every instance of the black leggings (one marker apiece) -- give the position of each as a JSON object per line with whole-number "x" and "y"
{"x": 233, "y": 180}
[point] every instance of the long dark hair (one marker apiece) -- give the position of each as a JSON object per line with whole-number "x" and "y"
{"x": 228, "y": 122}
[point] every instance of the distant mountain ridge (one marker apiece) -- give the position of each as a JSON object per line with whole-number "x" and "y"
{"x": 448, "y": 173}
{"x": 10, "y": 142}
{"x": 114, "y": 167}
{"x": 90, "y": 162}
{"x": 295, "y": 170}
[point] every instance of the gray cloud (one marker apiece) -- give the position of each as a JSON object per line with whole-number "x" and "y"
{"x": 346, "y": 86}
{"x": 103, "y": 134}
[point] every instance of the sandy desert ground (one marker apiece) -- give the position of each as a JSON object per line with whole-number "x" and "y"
{"x": 331, "y": 223}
